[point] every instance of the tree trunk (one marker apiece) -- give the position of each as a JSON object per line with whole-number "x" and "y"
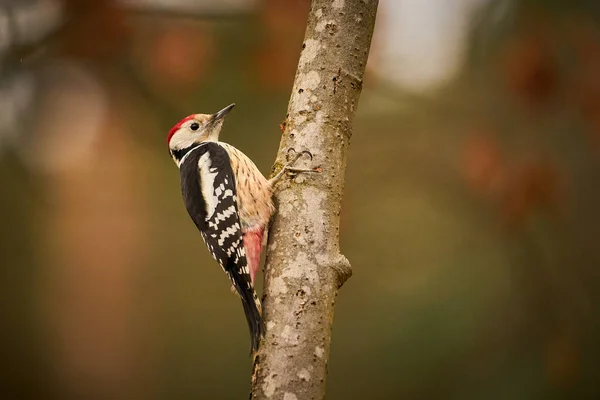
{"x": 304, "y": 267}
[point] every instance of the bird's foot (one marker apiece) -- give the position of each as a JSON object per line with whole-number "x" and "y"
{"x": 288, "y": 166}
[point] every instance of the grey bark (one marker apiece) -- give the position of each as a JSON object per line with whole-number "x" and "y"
{"x": 304, "y": 267}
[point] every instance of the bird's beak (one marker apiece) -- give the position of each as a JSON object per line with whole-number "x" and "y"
{"x": 223, "y": 112}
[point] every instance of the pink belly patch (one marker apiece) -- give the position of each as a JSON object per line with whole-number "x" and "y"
{"x": 253, "y": 247}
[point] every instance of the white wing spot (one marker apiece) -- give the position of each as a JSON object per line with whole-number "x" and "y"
{"x": 224, "y": 215}
{"x": 228, "y": 232}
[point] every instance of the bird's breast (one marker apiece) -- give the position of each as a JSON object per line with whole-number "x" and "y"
{"x": 255, "y": 205}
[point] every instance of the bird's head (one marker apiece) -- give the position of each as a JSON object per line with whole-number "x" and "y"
{"x": 193, "y": 130}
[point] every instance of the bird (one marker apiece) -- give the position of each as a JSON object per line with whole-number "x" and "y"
{"x": 230, "y": 202}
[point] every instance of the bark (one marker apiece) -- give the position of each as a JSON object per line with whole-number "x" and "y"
{"x": 304, "y": 267}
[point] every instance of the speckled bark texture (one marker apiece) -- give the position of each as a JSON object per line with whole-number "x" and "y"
{"x": 304, "y": 267}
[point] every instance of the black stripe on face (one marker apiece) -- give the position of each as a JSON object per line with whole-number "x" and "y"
{"x": 179, "y": 154}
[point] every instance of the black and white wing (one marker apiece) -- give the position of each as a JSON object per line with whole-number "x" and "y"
{"x": 209, "y": 193}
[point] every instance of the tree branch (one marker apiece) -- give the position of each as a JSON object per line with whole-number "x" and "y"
{"x": 304, "y": 267}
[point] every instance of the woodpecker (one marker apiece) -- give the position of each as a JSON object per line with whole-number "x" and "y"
{"x": 229, "y": 201}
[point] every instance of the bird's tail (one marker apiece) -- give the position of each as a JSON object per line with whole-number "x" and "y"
{"x": 252, "y": 309}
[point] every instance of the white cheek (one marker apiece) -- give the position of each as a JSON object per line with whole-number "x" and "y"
{"x": 183, "y": 139}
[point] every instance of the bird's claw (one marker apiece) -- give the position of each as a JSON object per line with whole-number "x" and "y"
{"x": 308, "y": 153}
{"x": 298, "y": 155}
{"x": 288, "y": 166}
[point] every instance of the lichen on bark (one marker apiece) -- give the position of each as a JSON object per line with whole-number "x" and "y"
{"x": 304, "y": 267}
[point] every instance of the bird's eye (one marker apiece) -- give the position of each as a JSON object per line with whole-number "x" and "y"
{"x": 195, "y": 126}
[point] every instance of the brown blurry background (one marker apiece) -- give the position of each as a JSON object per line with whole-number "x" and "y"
{"x": 471, "y": 213}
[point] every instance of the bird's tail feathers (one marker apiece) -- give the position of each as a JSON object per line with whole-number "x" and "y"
{"x": 252, "y": 309}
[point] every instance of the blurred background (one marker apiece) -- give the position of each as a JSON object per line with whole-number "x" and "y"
{"x": 477, "y": 143}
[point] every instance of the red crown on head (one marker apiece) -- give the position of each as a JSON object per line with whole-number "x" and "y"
{"x": 178, "y": 125}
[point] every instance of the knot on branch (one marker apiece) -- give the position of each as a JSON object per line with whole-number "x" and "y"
{"x": 342, "y": 268}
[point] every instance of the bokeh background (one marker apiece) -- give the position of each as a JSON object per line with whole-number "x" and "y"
{"x": 471, "y": 214}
